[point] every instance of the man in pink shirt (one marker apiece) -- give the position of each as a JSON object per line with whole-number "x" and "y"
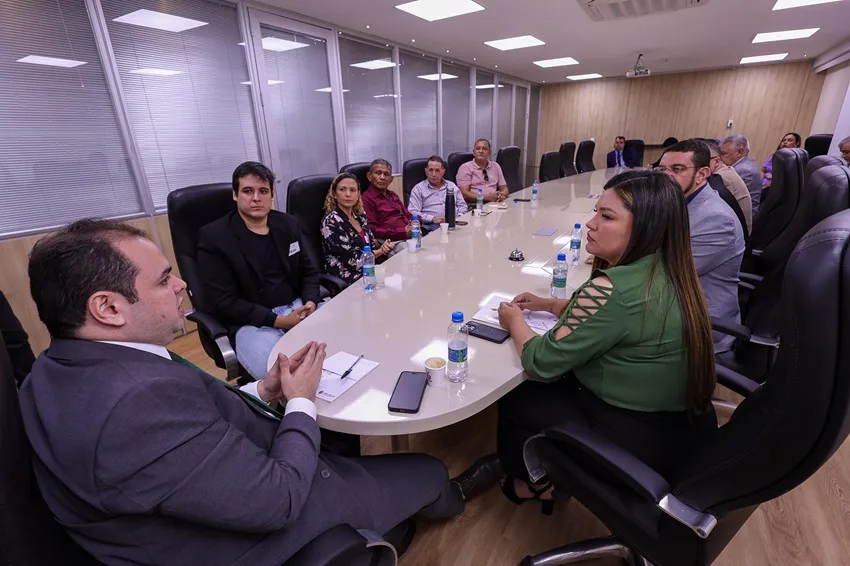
{"x": 481, "y": 173}
{"x": 387, "y": 215}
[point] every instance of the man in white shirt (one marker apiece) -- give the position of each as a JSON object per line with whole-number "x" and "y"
{"x": 428, "y": 198}
{"x": 735, "y": 153}
{"x": 145, "y": 459}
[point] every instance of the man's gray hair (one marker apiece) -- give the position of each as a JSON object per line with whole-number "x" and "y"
{"x": 738, "y": 142}
{"x": 845, "y": 141}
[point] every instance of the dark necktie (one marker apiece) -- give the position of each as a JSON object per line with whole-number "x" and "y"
{"x": 620, "y": 159}
{"x": 247, "y": 397}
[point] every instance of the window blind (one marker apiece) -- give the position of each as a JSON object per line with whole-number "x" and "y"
{"x": 456, "y": 110}
{"x": 503, "y": 133}
{"x": 484, "y": 89}
{"x": 419, "y": 80}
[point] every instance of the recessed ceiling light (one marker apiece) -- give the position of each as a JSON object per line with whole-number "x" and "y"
{"x": 764, "y": 58}
{"x": 413, "y": 41}
{"x": 515, "y": 43}
{"x": 785, "y": 35}
{"x": 785, "y": 4}
{"x": 585, "y": 77}
{"x": 279, "y": 45}
{"x": 433, "y": 10}
{"x": 483, "y": 87}
{"x": 51, "y": 61}
{"x": 270, "y": 81}
{"x": 375, "y": 64}
{"x": 385, "y": 96}
{"x": 560, "y": 62}
{"x": 437, "y": 76}
{"x": 495, "y": 66}
{"x": 474, "y": 59}
{"x": 159, "y": 20}
{"x": 367, "y": 26}
{"x": 156, "y": 72}
{"x": 328, "y": 89}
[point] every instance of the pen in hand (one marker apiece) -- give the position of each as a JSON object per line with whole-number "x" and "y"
{"x": 348, "y": 371}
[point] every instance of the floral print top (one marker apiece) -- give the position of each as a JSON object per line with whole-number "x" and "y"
{"x": 343, "y": 245}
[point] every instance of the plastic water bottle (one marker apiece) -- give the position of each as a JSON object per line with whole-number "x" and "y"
{"x": 559, "y": 278}
{"x": 535, "y": 189}
{"x": 479, "y": 202}
{"x": 416, "y": 232}
{"x": 368, "y": 260}
{"x": 458, "y": 369}
{"x": 575, "y": 246}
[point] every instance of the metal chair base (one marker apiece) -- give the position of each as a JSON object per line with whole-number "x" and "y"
{"x": 587, "y": 550}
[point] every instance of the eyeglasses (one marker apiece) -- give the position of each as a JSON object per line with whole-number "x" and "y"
{"x": 677, "y": 169}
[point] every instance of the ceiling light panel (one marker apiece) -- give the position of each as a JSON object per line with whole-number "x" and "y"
{"x": 51, "y": 61}
{"x": 785, "y": 4}
{"x": 515, "y": 43}
{"x": 374, "y": 65}
{"x": 433, "y": 10}
{"x": 280, "y": 45}
{"x": 437, "y": 76}
{"x": 270, "y": 82}
{"x": 156, "y": 72}
{"x": 560, "y": 62}
{"x": 328, "y": 89}
{"x": 764, "y": 58}
{"x": 585, "y": 77}
{"x": 484, "y": 87}
{"x": 785, "y": 35}
{"x": 159, "y": 20}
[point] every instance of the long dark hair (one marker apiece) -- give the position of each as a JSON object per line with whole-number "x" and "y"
{"x": 796, "y": 137}
{"x": 660, "y": 226}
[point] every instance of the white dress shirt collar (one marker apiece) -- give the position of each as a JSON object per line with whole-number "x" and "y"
{"x": 160, "y": 351}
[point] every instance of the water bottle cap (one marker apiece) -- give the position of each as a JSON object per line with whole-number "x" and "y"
{"x": 457, "y": 316}
{"x": 577, "y": 225}
{"x": 367, "y": 248}
{"x": 562, "y": 257}
{"x": 416, "y": 217}
{"x": 480, "y": 190}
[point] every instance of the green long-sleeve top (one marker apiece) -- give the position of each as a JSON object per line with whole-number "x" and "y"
{"x": 627, "y": 347}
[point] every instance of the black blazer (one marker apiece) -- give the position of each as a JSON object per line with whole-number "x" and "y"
{"x": 630, "y": 158}
{"x": 16, "y": 340}
{"x": 233, "y": 280}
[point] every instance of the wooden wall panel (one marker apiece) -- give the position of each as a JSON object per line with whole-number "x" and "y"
{"x": 764, "y": 102}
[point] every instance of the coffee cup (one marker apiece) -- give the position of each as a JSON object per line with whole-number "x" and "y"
{"x": 436, "y": 370}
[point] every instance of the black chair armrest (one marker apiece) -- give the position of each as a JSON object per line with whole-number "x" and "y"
{"x": 731, "y": 328}
{"x": 339, "y": 545}
{"x": 735, "y": 381}
{"x": 750, "y": 278}
{"x": 208, "y": 322}
{"x": 619, "y": 462}
{"x": 332, "y": 283}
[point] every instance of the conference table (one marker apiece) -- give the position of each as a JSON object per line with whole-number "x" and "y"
{"x": 405, "y": 320}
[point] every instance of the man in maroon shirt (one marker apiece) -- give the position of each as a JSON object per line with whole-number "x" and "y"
{"x": 387, "y": 215}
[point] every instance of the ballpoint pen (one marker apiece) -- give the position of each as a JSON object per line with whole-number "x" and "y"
{"x": 348, "y": 371}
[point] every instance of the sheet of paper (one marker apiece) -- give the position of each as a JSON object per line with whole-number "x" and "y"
{"x": 546, "y": 232}
{"x": 332, "y": 385}
{"x": 540, "y": 322}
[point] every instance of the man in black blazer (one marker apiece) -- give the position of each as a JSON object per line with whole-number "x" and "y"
{"x": 145, "y": 459}
{"x": 257, "y": 280}
{"x": 622, "y": 157}
{"x": 16, "y": 340}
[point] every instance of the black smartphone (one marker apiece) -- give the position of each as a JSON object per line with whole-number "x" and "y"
{"x": 522, "y": 200}
{"x": 408, "y": 392}
{"x": 461, "y": 222}
{"x": 489, "y": 333}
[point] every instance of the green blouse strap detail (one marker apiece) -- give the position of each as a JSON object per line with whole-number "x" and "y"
{"x": 586, "y": 303}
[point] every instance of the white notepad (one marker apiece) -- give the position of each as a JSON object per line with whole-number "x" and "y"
{"x": 332, "y": 385}
{"x": 539, "y": 321}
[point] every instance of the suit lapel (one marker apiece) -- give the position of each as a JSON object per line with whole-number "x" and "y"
{"x": 240, "y": 232}
{"x": 282, "y": 244}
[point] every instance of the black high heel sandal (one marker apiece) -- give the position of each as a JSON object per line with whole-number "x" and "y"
{"x": 547, "y": 506}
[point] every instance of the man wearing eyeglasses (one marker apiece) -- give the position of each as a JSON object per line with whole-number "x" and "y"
{"x": 844, "y": 148}
{"x": 481, "y": 173}
{"x": 731, "y": 180}
{"x": 717, "y": 238}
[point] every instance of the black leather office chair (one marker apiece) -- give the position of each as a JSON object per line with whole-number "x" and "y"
{"x": 778, "y": 207}
{"x": 568, "y": 159}
{"x": 716, "y": 182}
{"x": 639, "y": 148}
{"x": 455, "y": 160}
{"x": 359, "y": 170}
{"x": 412, "y": 173}
{"x": 818, "y": 144}
{"x": 584, "y": 156}
{"x": 509, "y": 159}
{"x": 305, "y": 200}
{"x": 189, "y": 210}
{"x": 820, "y": 162}
{"x": 550, "y": 166}
{"x": 780, "y": 435}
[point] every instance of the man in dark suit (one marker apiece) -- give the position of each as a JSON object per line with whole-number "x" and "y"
{"x": 622, "y": 157}
{"x": 145, "y": 459}
{"x": 16, "y": 340}
{"x": 257, "y": 280}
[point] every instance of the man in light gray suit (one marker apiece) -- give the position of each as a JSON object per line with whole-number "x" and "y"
{"x": 717, "y": 237}
{"x": 145, "y": 459}
{"x": 735, "y": 153}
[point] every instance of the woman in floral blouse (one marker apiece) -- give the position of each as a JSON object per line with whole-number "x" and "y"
{"x": 345, "y": 230}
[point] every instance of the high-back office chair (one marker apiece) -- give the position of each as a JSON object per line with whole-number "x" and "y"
{"x": 639, "y": 148}
{"x": 509, "y": 159}
{"x": 568, "y": 159}
{"x": 818, "y": 163}
{"x": 780, "y": 435}
{"x": 412, "y": 173}
{"x": 305, "y": 200}
{"x": 818, "y": 144}
{"x": 455, "y": 160}
{"x": 584, "y": 156}
{"x": 189, "y": 210}
{"x": 359, "y": 170}
{"x": 550, "y": 166}
{"x": 778, "y": 207}
{"x": 716, "y": 182}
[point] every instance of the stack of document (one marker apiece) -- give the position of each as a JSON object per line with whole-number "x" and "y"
{"x": 333, "y": 384}
{"x": 539, "y": 321}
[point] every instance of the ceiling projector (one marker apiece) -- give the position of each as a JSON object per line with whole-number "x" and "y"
{"x": 640, "y": 70}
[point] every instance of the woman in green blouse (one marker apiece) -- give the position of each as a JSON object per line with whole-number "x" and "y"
{"x": 631, "y": 355}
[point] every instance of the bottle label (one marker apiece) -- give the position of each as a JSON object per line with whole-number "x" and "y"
{"x": 575, "y": 244}
{"x": 368, "y": 271}
{"x": 559, "y": 282}
{"x": 457, "y": 356}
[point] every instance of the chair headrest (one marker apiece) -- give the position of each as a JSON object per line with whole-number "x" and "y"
{"x": 192, "y": 208}
{"x": 359, "y": 170}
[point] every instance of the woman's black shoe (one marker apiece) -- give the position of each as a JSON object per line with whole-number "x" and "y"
{"x": 479, "y": 477}
{"x": 547, "y": 506}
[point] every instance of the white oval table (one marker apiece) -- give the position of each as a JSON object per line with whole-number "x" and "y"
{"x": 405, "y": 320}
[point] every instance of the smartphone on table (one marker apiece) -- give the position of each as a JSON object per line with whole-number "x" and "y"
{"x": 408, "y": 392}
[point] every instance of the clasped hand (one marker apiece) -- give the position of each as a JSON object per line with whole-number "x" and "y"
{"x": 294, "y": 376}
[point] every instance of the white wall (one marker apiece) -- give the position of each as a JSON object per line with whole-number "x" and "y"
{"x": 832, "y": 97}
